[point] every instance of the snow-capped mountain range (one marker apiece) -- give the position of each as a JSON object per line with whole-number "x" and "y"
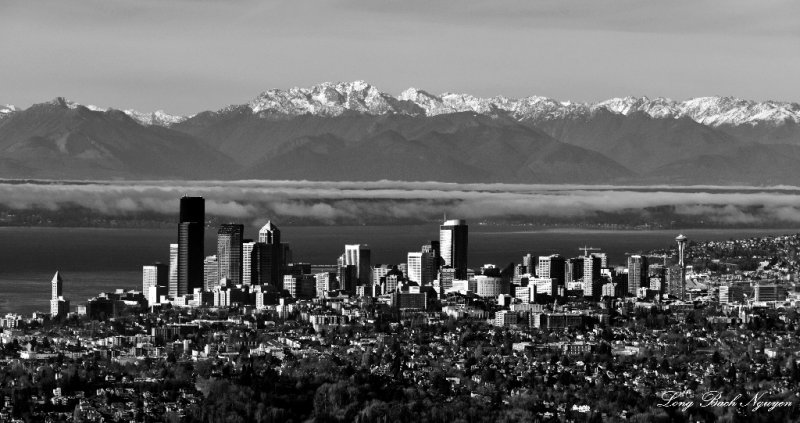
{"x": 159, "y": 117}
{"x": 335, "y": 99}
{"x": 353, "y": 131}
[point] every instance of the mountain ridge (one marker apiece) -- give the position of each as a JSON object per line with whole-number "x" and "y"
{"x": 336, "y": 98}
{"x": 353, "y": 131}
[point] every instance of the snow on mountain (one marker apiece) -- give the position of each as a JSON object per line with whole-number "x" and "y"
{"x": 334, "y": 99}
{"x": 7, "y": 110}
{"x": 63, "y": 102}
{"x": 326, "y": 99}
{"x": 159, "y": 117}
{"x": 337, "y": 98}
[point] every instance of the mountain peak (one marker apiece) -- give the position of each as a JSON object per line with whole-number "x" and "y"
{"x": 158, "y": 118}
{"x": 325, "y": 99}
{"x": 69, "y": 104}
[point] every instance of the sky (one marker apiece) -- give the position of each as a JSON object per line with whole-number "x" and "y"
{"x": 186, "y": 56}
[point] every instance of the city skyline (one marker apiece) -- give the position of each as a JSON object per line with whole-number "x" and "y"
{"x": 373, "y": 211}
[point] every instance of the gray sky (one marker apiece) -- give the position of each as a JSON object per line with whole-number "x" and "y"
{"x": 185, "y": 56}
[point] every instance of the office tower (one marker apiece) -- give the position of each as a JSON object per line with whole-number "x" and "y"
{"x": 731, "y": 294}
{"x": 768, "y": 292}
{"x": 154, "y": 275}
{"x": 172, "y": 282}
{"x": 325, "y": 282}
{"x": 247, "y": 261}
{"x": 446, "y": 277}
{"x": 421, "y": 267}
{"x": 574, "y": 269}
{"x": 58, "y": 305}
{"x": 379, "y": 271}
{"x": 56, "y": 286}
{"x": 528, "y": 262}
{"x": 453, "y": 236}
{"x": 267, "y": 268}
{"x": 290, "y": 284}
{"x": 552, "y": 266}
{"x": 272, "y": 256}
{"x": 434, "y": 250}
{"x": 190, "y": 246}
{"x": 347, "y": 275}
{"x": 603, "y": 259}
{"x": 269, "y": 234}
{"x": 229, "y": 252}
{"x": 390, "y": 281}
{"x": 637, "y": 274}
{"x": 656, "y": 275}
{"x": 210, "y": 273}
{"x": 673, "y": 277}
{"x": 359, "y": 256}
{"x": 681, "y": 240}
{"x": 414, "y": 266}
{"x": 591, "y": 275}
{"x": 609, "y": 290}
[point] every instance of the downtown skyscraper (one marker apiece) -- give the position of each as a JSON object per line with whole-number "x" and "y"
{"x": 552, "y": 266}
{"x": 453, "y": 236}
{"x": 267, "y": 258}
{"x": 360, "y": 256}
{"x": 190, "y": 246}
{"x": 229, "y": 252}
{"x": 637, "y": 274}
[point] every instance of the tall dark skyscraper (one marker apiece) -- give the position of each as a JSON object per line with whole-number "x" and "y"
{"x": 190, "y": 246}
{"x": 269, "y": 234}
{"x": 453, "y": 243}
{"x": 265, "y": 260}
{"x": 434, "y": 249}
{"x": 229, "y": 252}
{"x": 268, "y": 257}
{"x": 193, "y": 209}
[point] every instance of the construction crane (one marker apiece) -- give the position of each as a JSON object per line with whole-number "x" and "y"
{"x": 586, "y": 250}
{"x": 662, "y": 256}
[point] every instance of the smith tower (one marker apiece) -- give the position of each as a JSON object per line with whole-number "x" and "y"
{"x": 453, "y": 243}
{"x": 190, "y": 246}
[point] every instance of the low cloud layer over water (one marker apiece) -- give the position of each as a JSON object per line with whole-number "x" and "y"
{"x": 393, "y": 200}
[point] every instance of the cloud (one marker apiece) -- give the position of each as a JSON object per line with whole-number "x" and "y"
{"x": 390, "y": 201}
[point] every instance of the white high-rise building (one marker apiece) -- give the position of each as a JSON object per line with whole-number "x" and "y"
{"x": 325, "y": 282}
{"x": 58, "y": 305}
{"x": 420, "y": 267}
{"x": 173, "y": 270}
{"x": 247, "y": 262}
{"x": 359, "y": 255}
{"x": 591, "y": 275}
{"x": 229, "y": 252}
